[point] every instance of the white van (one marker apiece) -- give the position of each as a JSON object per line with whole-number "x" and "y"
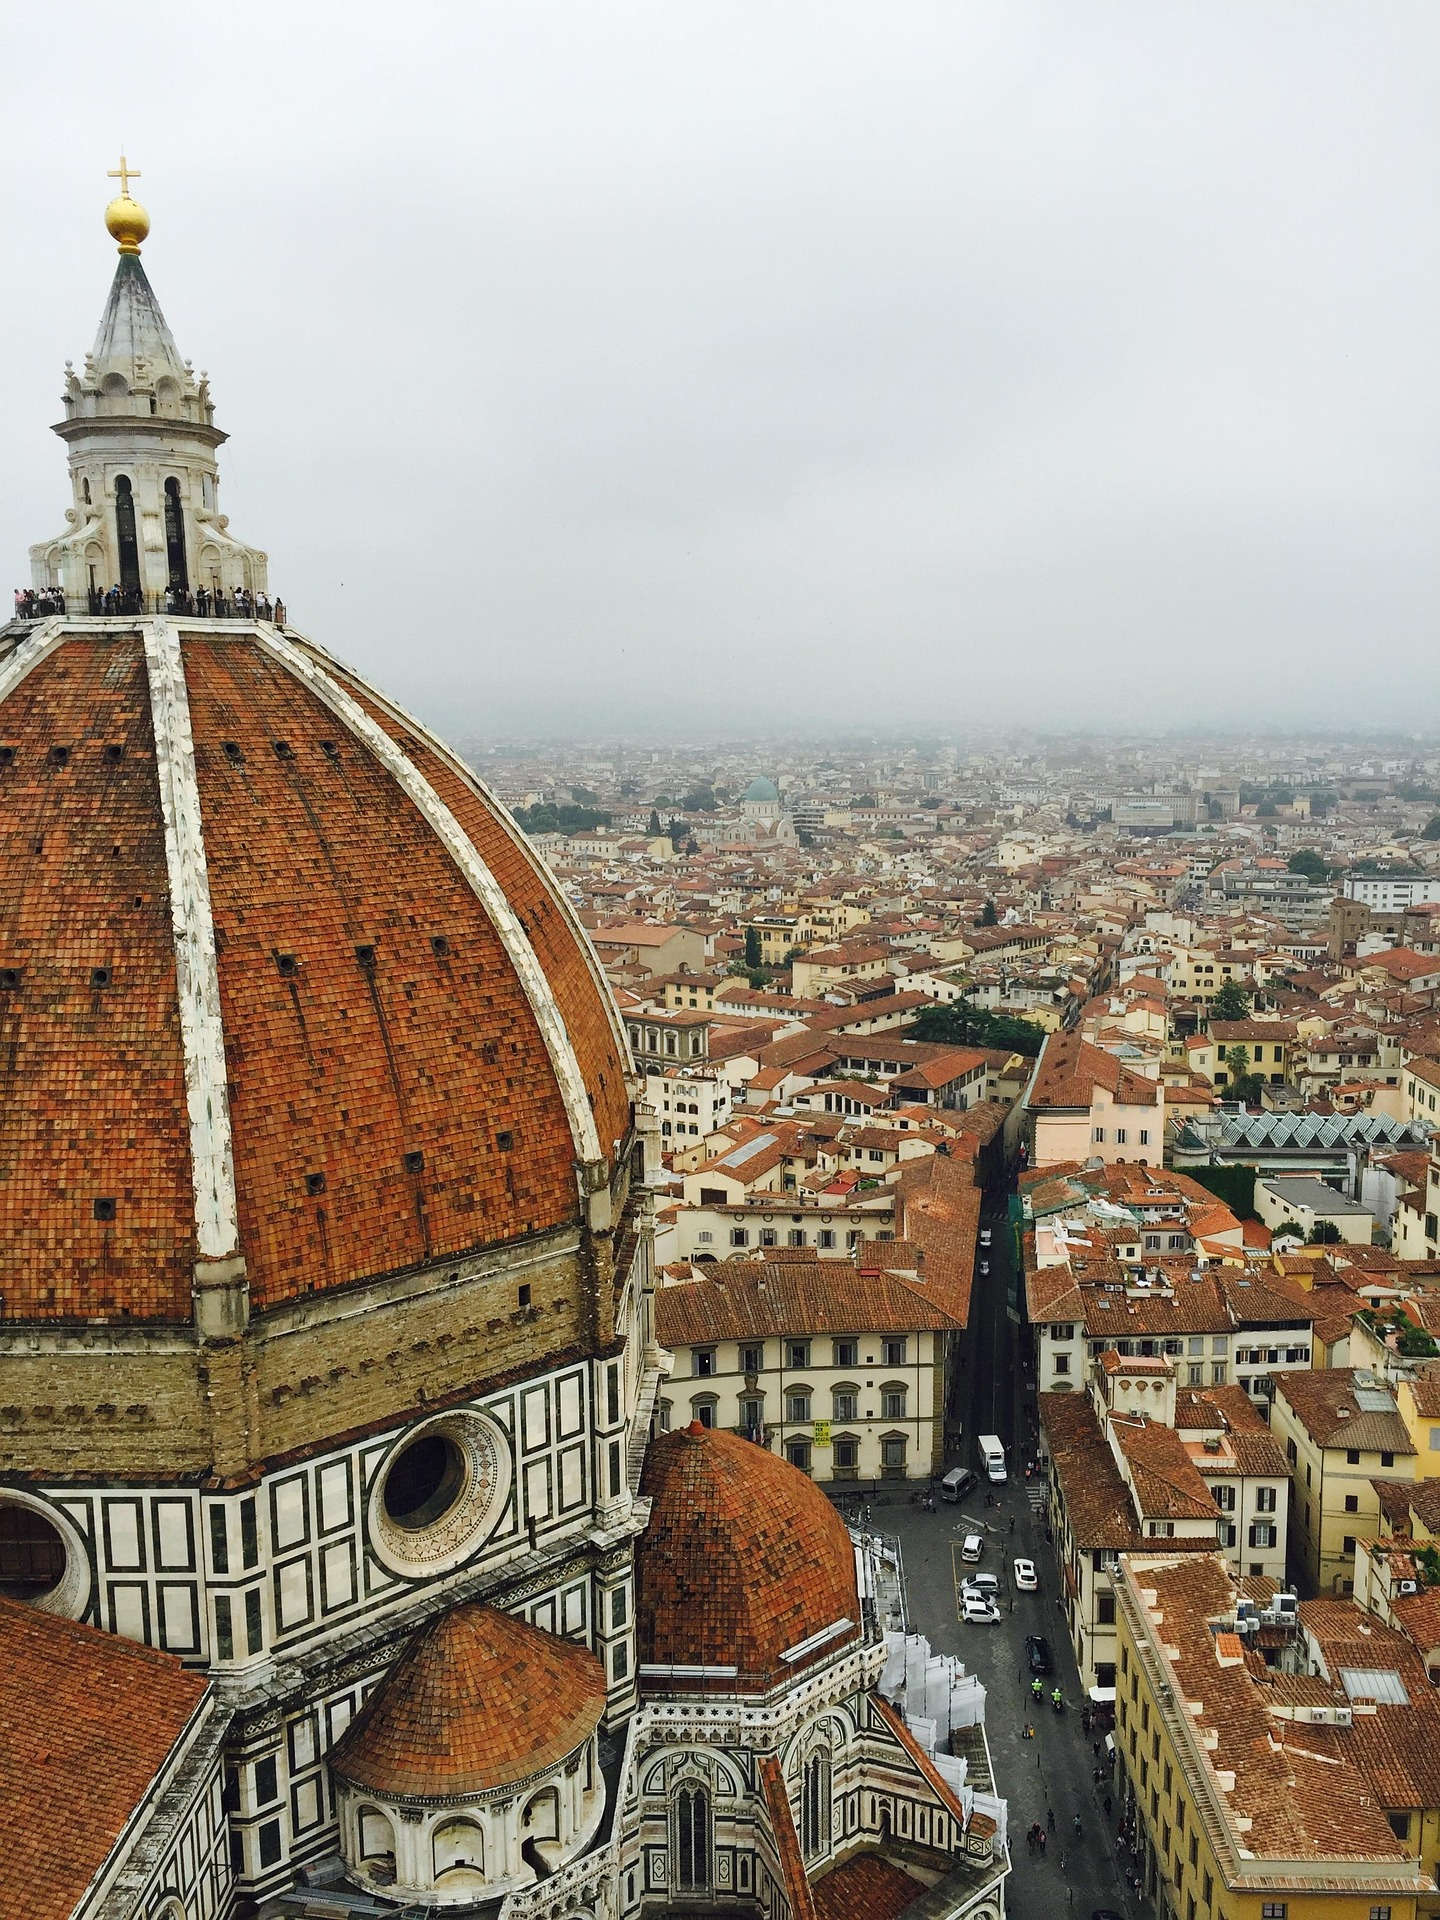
{"x": 992, "y": 1457}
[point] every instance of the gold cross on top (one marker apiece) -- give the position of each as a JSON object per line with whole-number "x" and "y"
{"x": 124, "y": 173}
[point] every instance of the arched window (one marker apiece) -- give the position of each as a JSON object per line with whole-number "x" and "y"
{"x": 376, "y": 1835}
{"x": 797, "y": 1404}
{"x": 692, "y": 1840}
{"x": 125, "y": 535}
{"x": 703, "y": 1408}
{"x": 459, "y": 1845}
{"x": 815, "y": 1805}
{"x": 542, "y": 1815}
{"x": 175, "y": 536}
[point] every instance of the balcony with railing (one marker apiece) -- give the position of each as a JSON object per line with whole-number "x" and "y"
{"x": 49, "y": 603}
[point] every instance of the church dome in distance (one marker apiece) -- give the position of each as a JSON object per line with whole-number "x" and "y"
{"x": 744, "y": 1567}
{"x": 761, "y": 792}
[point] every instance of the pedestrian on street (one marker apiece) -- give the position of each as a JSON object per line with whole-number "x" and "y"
{"x": 1107, "y": 1806}
{"x": 1050, "y": 1818}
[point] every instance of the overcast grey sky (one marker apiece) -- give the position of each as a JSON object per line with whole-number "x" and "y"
{"x": 586, "y": 360}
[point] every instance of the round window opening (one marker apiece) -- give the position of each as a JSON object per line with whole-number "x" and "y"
{"x": 439, "y": 1495}
{"x": 425, "y": 1482}
{"x": 43, "y": 1561}
{"x": 32, "y": 1554}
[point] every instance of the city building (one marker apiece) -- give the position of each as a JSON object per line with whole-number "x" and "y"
{"x": 1238, "y": 1781}
{"x": 843, "y": 1368}
{"x": 1342, "y": 1433}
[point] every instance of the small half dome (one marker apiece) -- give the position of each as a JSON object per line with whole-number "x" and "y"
{"x": 477, "y": 1700}
{"x": 744, "y": 1565}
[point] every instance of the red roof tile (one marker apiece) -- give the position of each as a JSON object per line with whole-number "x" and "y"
{"x": 87, "y": 1721}
{"x": 744, "y": 1559}
{"x": 478, "y": 1699}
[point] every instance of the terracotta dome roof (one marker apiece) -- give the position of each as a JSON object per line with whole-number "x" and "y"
{"x": 478, "y": 1699}
{"x": 298, "y": 991}
{"x": 743, "y": 1561}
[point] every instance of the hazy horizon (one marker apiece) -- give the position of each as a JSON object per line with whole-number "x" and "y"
{"x": 741, "y": 368}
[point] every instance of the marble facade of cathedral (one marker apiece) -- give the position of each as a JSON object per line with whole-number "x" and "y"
{"x": 329, "y": 1517}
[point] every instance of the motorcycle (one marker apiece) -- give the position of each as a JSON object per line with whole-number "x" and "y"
{"x": 1057, "y": 1701}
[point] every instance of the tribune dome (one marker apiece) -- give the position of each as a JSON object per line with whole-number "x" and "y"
{"x": 744, "y": 1564}
{"x": 280, "y": 982}
{"x": 478, "y": 1700}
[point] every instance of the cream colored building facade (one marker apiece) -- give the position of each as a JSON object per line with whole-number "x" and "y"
{"x": 857, "y": 1403}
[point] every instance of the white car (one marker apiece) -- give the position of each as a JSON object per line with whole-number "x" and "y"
{"x": 972, "y": 1546}
{"x": 984, "y": 1236}
{"x": 978, "y": 1610}
{"x": 987, "y": 1584}
{"x": 1026, "y": 1579}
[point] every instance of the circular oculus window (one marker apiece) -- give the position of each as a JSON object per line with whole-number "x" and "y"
{"x": 438, "y": 1494}
{"x": 43, "y": 1560}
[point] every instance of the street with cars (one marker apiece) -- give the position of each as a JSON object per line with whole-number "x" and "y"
{"x": 983, "y": 1583}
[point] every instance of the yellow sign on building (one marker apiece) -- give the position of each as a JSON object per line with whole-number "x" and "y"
{"x": 822, "y": 1433}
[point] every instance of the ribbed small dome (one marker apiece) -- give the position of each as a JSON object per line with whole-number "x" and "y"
{"x": 476, "y": 1700}
{"x": 744, "y": 1561}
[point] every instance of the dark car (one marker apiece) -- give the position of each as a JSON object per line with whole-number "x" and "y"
{"x": 1037, "y": 1652}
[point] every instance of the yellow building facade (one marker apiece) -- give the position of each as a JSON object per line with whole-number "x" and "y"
{"x": 1236, "y": 1818}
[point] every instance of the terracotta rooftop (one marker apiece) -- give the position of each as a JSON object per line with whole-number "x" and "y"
{"x": 741, "y": 1299}
{"x": 1328, "y": 1406}
{"x": 864, "y": 1887}
{"x": 744, "y": 1562}
{"x": 74, "y": 1770}
{"x": 376, "y": 1042}
{"x": 1071, "y": 1069}
{"x": 477, "y": 1699}
{"x": 1301, "y": 1799}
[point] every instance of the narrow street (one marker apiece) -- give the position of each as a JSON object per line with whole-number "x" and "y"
{"x": 1049, "y": 1778}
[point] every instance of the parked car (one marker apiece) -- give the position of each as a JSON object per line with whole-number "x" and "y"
{"x": 986, "y": 1583}
{"x": 1037, "y": 1653}
{"x": 957, "y": 1483}
{"x": 976, "y": 1609}
{"x": 984, "y": 1236}
{"x": 972, "y": 1546}
{"x": 1026, "y": 1579}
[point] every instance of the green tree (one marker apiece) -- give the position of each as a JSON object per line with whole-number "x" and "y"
{"x": 1230, "y": 1003}
{"x": 1311, "y": 864}
{"x": 753, "y": 957}
{"x": 583, "y": 797}
{"x": 1237, "y": 1059}
{"x": 545, "y": 818}
{"x": 700, "y": 800}
{"x": 1324, "y": 1233}
{"x": 1431, "y": 829}
{"x": 1267, "y": 810}
{"x": 962, "y": 1025}
{"x": 652, "y": 826}
{"x": 988, "y": 916}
